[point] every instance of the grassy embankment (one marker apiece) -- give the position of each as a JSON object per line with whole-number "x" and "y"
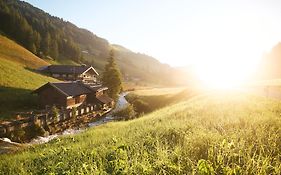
{"x": 156, "y": 98}
{"x": 226, "y": 133}
{"x": 17, "y": 78}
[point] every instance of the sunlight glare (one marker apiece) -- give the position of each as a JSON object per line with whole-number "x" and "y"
{"x": 227, "y": 67}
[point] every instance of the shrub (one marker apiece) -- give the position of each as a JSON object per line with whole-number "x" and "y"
{"x": 35, "y": 130}
{"x": 18, "y": 135}
{"x": 126, "y": 113}
{"x": 73, "y": 111}
{"x": 141, "y": 106}
{"x": 56, "y": 113}
{"x": 38, "y": 130}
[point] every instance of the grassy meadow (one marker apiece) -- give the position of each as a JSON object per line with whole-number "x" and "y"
{"x": 10, "y": 50}
{"x": 215, "y": 133}
{"x": 18, "y": 78}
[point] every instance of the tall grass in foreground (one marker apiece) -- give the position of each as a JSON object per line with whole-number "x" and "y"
{"x": 211, "y": 134}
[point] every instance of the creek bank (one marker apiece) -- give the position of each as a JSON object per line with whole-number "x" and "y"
{"x": 59, "y": 129}
{"x": 121, "y": 103}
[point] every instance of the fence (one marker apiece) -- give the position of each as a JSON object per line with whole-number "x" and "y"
{"x": 44, "y": 120}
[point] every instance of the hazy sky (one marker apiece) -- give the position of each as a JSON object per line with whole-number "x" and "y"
{"x": 178, "y": 32}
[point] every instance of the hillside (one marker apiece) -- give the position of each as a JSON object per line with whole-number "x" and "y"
{"x": 201, "y": 135}
{"x": 270, "y": 64}
{"x": 10, "y": 50}
{"x": 17, "y": 78}
{"x": 53, "y": 38}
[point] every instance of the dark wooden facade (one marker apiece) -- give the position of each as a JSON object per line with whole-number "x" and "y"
{"x": 51, "y": 96}
{"x": 72, "y": 94}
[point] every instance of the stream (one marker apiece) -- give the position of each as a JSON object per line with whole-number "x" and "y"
{"x": 121, "y": 103}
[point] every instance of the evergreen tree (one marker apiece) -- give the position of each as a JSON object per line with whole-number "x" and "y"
{"x": 54, "y": 50}
{"x": 30, "y": 41}
{"x": 37, "y": 41}
{"x": 45, "y": 44}
{"x": 112, "y": 77}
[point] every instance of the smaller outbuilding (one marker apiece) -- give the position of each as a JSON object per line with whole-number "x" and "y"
{"x": 84, "y": 73}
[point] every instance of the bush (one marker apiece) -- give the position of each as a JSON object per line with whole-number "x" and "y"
{"x": 56, "y": 113}
{"x": 141, "y": 106}
{"x": 73, "y": 112}
{"x": 18, "y": 135}
{"x": 126, "y": 113}
{"x": 34, "y": 131}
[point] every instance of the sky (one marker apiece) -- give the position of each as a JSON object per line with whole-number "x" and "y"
{"x": 180, "y": 32}
{"x": 223, "y": 41}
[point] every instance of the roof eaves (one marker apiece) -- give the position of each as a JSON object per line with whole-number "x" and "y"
{"x": 91, "y": 67}
{"x": 60, "y": 90}
{"x": 37, "y": 90}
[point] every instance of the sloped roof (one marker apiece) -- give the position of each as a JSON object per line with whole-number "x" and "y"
{"x": 95, "y": 88}
{"x": 67, "y": 88}
{"x": 68, "y": 69}
{"x": 104, "y": 99}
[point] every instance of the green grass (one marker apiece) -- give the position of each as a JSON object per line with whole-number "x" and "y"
{"x": 226, "y": 133}
{"x": 10, "y": 50}
{"x": 18, "y": 78}
{"x": 157, "y": 98}
{"x": 62, "y": 61}
{"x": 16, "y": 85}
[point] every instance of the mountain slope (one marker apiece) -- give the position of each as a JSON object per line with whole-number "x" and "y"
{"x": 10, "y": 50}
{"x": 17, "y": 78}
{"x": 191, "y": 137}
{"x": 53, "y": 38}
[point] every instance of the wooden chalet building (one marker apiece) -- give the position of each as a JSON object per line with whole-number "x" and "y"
{"x": 72, "y": 94}
{"x": 86, "y": 74}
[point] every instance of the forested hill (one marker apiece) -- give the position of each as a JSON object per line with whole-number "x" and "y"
{"x": 47, "y": 35}
{"x": 51, "y": 37}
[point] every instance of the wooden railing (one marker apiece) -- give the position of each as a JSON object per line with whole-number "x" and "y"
{"x": 48, "y": 118}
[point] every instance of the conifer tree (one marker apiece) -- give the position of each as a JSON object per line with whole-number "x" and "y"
{"x": 45, "y": 44}
{"x": 54, "y": 50}
{"x": 112, "y": 77}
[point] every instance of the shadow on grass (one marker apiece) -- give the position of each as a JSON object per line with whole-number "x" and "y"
{"x": 155, "y": 102}
{"x": 37, "y": 71}
{"x": 15, "y": 100}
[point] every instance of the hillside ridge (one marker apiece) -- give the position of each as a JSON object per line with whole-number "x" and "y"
{"x": 52, "y": 37}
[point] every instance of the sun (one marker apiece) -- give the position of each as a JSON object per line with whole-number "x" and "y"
{"x": 225, "y": 73}
{"x": 219, "y": 77}
{"x": 227, "y": 61}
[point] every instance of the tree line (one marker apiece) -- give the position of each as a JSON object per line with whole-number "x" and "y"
{"x": 45, "y": 35}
